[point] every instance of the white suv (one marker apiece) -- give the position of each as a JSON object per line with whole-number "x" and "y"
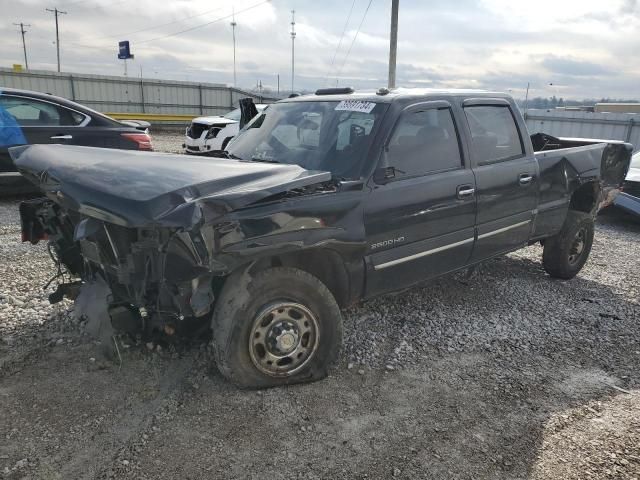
{"x": 211, "y": 134}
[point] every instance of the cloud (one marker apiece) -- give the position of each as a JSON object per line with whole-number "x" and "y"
{"x": 589, "y": 47}
{"x": 573, "y": 67}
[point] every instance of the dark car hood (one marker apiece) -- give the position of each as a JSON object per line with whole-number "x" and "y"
{"x": 143, "y": 188}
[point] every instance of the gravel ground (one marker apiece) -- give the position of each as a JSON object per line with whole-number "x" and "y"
{"x": 506, "y": 374}
{"x": 168, "y": 140}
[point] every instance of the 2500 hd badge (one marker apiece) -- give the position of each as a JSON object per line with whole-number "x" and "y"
{"x": 387, "y": 243}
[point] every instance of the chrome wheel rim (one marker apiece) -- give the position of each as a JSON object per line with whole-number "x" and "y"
{"x": 577, "y": 247}
{"x": 284, "y": 336}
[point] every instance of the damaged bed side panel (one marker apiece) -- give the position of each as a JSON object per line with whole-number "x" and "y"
{"x": 598, "y": 168}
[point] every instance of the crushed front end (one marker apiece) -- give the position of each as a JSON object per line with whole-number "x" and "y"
{"x": 158, "y": 277}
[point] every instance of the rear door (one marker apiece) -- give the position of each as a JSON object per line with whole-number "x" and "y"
{"x": 506, "y": 177}
{"x": 41, "y": 121}
{"x": 419, "y": 217}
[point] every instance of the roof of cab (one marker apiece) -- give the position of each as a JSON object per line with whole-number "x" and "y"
{"x": 396, "y": 94}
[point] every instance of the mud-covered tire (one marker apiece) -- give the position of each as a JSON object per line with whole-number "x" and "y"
{"x": 565, "y": 254}
{"x": 243, "y": 301}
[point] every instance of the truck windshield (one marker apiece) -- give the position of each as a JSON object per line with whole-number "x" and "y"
{"x": 329, "y": 136}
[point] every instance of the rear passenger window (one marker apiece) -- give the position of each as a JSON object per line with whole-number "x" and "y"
{"x": 494, "y": 133}
{"x": 424, "y": 142}
{"x": 28, "y": 112}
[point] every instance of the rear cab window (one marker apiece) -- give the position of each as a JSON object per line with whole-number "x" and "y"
{"x": 494, "y": 134}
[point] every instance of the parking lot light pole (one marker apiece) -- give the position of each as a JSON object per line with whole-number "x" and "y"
{"x": 233, "y": 29}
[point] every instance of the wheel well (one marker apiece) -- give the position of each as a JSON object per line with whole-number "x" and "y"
{"x": 225, "y": 142}
{"x": 585, "y": 198}
{"x": 324, "y": 264}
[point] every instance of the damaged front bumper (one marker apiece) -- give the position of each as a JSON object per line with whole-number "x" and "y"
{"x": 158, "y": 277}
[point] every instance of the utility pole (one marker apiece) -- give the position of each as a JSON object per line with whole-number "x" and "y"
{"x": 278, "y": 84}
{"x": 57, "y": 12}
{"x": 233, "y": 28}
{"x": 526, "y": 101}
{"x": 393, "y": 43}
{"x": 293, "y": 41}
{"x": 24, "y": 45}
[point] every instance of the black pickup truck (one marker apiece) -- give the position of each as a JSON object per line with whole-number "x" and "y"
{"x": 321, "y": 201}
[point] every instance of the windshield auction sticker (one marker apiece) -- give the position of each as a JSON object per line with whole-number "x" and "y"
{"x": 356, "y": 106}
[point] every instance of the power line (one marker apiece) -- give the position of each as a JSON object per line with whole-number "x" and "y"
{"x": 344, "y": 30}
{"x": 219, "y": 19}
{"x": 24, "y": 45}
{"x": 153, "y": 27}
{"x": 354, "y": 39}
{"x": 226, "y": 17}
{"x": 56, "y": 13}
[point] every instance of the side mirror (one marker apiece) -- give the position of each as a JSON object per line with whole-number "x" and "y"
{"x": 384, "y": 175}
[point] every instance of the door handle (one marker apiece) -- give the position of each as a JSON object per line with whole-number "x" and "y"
{"x": 61, "y": 137}
{"x": 525, "y": 179}
{"x": 464, "y": 191}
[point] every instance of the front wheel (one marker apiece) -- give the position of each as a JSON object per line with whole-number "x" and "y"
{"x": 279, "y": 326}
{"x": 565, "y": 254}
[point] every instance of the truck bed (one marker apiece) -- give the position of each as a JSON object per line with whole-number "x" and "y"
{"x": 589, "y": 157}
{"x": 567, "y": 164}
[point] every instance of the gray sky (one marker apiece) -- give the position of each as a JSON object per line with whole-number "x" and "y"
{"x": 585, "y": 48}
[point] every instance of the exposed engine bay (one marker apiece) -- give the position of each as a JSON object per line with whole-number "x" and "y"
{"x": 165, "y": 273}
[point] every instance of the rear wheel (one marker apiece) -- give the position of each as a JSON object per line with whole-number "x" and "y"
{"x": 565, "y": 254}
{"x": 279, "y": 326}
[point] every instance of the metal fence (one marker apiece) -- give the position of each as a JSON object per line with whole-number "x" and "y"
{"x": 563, "y": 123}
{"x": 130, "y": 94}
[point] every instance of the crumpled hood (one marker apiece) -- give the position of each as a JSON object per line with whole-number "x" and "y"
{"x": 143, "y": 188}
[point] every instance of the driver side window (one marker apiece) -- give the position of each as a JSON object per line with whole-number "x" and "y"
{"x": 424, "y": 142}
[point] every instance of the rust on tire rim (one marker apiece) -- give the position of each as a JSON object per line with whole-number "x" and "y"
{"x": 283, "y": 338}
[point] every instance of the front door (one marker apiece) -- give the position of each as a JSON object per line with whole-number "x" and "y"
{"x": 506, "y": 178}
{"x": 419, "y": 217}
